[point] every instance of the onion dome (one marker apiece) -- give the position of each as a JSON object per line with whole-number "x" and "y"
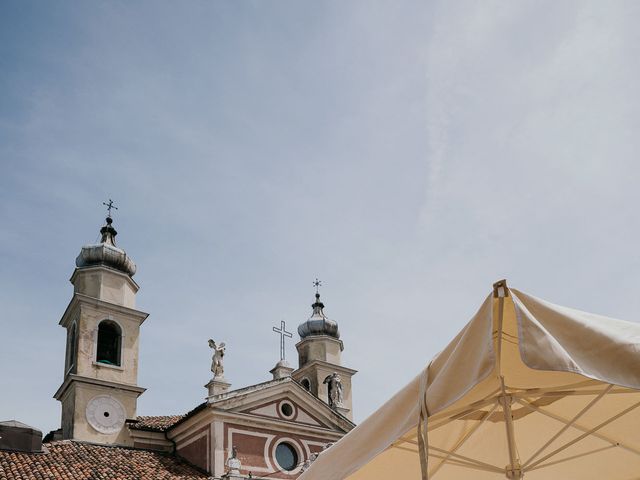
{"x": 318, "y": 323}
{"x": 106, "y": 253}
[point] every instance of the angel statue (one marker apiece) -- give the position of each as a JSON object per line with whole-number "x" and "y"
{"x": 335, "y": 390}
{"x": 217, "y": 366}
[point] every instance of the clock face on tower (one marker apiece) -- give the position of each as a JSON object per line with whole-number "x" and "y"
{"x": 105, "y": 414}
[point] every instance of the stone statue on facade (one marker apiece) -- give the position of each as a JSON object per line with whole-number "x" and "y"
{"x": 334, "y": 383}
{"x": 233, "y": 462}
{"x": 313, "y": 457}
{"x": 217, "y": 365}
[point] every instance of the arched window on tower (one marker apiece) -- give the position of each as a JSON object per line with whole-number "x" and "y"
{"x": 306, "y": 384}
{"x": 72, "y": 348}
{"x": 109, "y": 342}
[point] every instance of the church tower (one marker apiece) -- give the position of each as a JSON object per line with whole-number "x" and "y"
{"x": 319, "y": 366}
{"x": 100, "y": 390}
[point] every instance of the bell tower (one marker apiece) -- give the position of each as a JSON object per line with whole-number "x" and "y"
{"x": 99, "y": 391}
{"x": 320, "y": 369}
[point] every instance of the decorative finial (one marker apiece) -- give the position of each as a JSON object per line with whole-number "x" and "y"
{"x": 317, "y": 284}
{"x": 318, "y": 323}
{"x": 108, "y": 232}
{"x": 318, "y": 305}
{"x": 283, "y": 333}
{"x": 109, "y": 206}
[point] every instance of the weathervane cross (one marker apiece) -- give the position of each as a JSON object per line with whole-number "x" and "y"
{"x": 110, "y": 206}
{"x": 317, "y": 284}
{"x": 283, "y": 333}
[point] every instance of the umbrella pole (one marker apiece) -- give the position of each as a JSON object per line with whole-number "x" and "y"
{"x": 513, "y": 470}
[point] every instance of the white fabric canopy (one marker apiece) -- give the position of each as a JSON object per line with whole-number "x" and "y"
{"x": 527, "y": 389}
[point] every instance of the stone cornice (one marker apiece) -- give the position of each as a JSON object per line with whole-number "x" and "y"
{"x": 79, "y": 270}
{"x": 94, "y": 381}
{"x": 324, "y": 365}
{"x": 211, "y": 414}
{"x": 324, "y": 338}
{"x": 79, "y": 298}
{"x": 227, "y": 410}
{"x": 290, "y": 385}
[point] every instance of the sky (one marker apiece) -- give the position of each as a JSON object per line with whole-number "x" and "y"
{"x": 406, "y": 153}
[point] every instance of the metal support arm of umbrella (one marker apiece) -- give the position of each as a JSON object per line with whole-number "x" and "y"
{"x": 513, "y": 470}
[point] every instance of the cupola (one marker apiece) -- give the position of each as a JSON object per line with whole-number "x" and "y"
{"x": 106, "y": 253}
{"x": 318, "y": 323}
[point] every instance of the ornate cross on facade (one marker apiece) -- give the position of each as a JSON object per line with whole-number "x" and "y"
{"x": 110, "y": 206}
{"x": 317, "y": 284}
{"x": 283, "y": 333}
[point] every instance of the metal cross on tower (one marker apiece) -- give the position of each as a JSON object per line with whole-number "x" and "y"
{"x": 283, "y": 333}
{"x": 317, "y": 284}
{"x": 110, "y": 206}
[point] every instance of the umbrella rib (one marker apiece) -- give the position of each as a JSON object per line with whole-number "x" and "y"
{"x": 568, "y": 425}
{"x": 580, "y": 427}
{"x": 468, "y": 459}
{"x": 456, "y": 455}
{"x": 573, "y": 457}
{"x": 586, "y": 434}
{"x": 464, "y": 439}
{"x": 570, "y": 388}
{"x": 570, "y": 393}
{"x": 458, "y": 463}
{"x": 461, "y": 412}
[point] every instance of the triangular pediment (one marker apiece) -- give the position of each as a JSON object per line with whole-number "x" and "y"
{"x": 285, "y": 409}
{"x": 283, "y": 400}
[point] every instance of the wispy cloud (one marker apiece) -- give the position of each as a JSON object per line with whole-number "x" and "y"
{"x": 407, "y": 153}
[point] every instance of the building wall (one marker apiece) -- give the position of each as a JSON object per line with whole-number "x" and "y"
{"x": 88, "y": 323}
{"x": 208, "y": 443}
{"x": 105, "y": 284}
{"x": 256, "y": 448}
{"x": 196, "y": 448}
{"x": 82, "y": 430}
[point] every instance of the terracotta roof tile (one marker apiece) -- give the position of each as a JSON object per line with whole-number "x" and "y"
{"x": 162, "y": 423}
{"x": 158, "y": 423}
{"x": 69, "y": 460}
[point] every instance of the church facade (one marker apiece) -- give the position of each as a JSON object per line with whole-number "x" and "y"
{"x": 268, "y": 430}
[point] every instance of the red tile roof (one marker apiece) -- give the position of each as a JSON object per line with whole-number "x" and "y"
{"x": 162, "y": 423}
{"x": 158, "y": 423}
{"x": 69, "y": 460}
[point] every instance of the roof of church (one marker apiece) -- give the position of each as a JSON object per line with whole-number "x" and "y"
{"x": 156, "y": 423}
{"x": 67, "y": 460}
{"x": 269, "y": 384}
{"x": 162, "y": 423}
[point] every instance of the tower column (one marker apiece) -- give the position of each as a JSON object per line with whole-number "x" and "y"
{"x": 320, "y": 368}
{"x": 99, "y": 391}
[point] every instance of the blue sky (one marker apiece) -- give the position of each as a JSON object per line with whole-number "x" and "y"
{"x": 407, "y": 153}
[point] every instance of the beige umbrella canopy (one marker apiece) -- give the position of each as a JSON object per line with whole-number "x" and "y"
{"x": 527, "y": 389}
